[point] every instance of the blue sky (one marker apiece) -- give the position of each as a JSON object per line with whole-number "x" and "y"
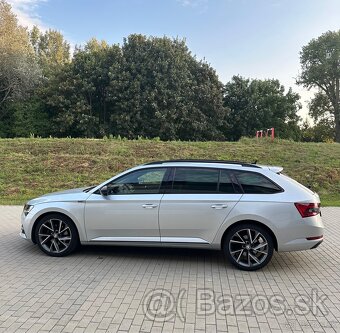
{"x": 253, "y": 38}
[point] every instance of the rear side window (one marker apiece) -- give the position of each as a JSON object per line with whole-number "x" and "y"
{"x": 255, "y": 183}
{"x": 195, "y": 180}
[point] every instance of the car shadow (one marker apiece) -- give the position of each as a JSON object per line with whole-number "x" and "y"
{"x": 145, "y": 252}
{"x": 174, "y": 254}
{"x": 279, "y": 262}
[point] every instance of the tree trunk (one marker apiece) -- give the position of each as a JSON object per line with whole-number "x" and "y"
{"x": 337, "y": 124}
{"x": 337, "y": 111}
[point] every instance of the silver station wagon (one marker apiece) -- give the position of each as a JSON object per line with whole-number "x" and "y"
{"x": 245, "y": 210}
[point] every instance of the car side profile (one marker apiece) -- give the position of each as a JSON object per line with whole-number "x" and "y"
{"x": 245, "y": 210}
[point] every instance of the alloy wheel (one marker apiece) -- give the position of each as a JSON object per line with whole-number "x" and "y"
{"x": 248, "y": 247}
{"x": 55, "y": 236}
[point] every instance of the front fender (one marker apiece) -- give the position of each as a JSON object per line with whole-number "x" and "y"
{"x": 74, "y": 210}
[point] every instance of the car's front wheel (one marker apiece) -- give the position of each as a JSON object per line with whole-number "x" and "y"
{"x": 56, "y": 235}
{"x": 248, "y": 247}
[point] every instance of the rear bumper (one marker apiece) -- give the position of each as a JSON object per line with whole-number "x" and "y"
{"x": 302, "y": 234}
{"x": 301, "y": 244}
{"x": 317, "y": 244}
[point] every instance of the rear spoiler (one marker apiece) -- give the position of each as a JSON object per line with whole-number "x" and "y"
{"x": 276, "y": 169}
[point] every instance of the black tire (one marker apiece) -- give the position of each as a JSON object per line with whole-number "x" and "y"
{"x": 248, "y": 253}
{"x": 56, "y": 235}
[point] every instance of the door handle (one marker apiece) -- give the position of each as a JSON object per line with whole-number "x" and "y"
{"x": 149, "y": 206}
{"x": 219, "y": 206}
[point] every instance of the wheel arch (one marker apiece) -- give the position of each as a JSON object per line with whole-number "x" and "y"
{"x": 270, "y": 231}
{"x": 46, "y": 214}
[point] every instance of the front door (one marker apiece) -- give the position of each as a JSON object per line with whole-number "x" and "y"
{"x": 129, "y": 212}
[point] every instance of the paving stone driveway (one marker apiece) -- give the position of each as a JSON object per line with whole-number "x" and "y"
{"x": 110, "y": 289}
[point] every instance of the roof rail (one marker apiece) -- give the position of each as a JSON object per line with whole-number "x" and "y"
{"x": 245, "y": 164}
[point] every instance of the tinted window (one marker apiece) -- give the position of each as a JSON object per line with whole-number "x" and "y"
{"x": 195, "y": 180}
{"x": 226, "y": 185}
{"x": 256, "y": 183}
{"x": 146, "y": 181}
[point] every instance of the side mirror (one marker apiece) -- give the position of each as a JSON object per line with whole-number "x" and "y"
{"x": 104, "y": 191}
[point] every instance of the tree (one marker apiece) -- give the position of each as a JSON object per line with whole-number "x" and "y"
{"x": 28, "y": 117}
{"x": 18, "y": 70}
{"x": 160, "y": 89}
{"x": 260, "y": 104}
{"x": 150, "y": 87}
{"x": 323, "y": 131}
{"x": 320, "y": 62}
{"x": 321, "y": 111}
{"x": 77, "y": 94}
{"x": 51, "y": 49}
{"x": 52, "y": 54}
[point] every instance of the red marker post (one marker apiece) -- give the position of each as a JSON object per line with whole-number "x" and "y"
{"x": 260, "y": 134}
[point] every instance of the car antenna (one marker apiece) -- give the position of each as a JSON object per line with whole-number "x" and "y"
{"x": 255, "y": 162}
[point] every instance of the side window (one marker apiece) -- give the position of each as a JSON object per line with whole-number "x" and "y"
{"x": 195, "y": 180}
{"x": 226, "y": 185}
{"x": 255, "y": 183}
{"x": 147, "y": 181}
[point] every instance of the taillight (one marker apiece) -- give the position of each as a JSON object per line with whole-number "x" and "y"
{"x": 308, "y": 209}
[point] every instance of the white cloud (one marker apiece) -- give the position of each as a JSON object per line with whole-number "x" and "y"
{"x": 185, "y": 3}
{"x": 199, "y": 6}
{"x": 26, "y": 12}
{"x": 192, "y": 3}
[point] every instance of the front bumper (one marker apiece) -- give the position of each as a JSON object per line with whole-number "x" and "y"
{"x": 22, "y": 233}
{"x": 26, "y": 226}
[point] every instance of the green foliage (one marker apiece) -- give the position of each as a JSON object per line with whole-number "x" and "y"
{"x": 29, "y": 118}
{"x": 148, "y": 87}
{"x": 77, "y": 96}
{"x": 166, "y": 92}
{"x": 24, "y": 118}
{"x": 18, "y": 69}
{"x": 260, "y": 104}
{"x": 51, "y": 50}
{"x": 321, "y": 111}
{"x": 27, "y": 60}
{"x": 323, "y": 131}
{"x": 320, "y": 62}
{"x": 151, "y": 87}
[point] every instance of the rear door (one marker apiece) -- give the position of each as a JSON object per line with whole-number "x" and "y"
{"x": 196, "y": 204}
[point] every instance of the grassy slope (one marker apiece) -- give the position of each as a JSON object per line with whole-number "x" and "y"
{"x": 31, "y": 167}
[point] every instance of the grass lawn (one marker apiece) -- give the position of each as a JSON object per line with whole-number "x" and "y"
{"x": 31, "y": 167}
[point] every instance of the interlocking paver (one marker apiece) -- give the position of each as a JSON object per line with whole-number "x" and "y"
{"x": 104, "y": 289}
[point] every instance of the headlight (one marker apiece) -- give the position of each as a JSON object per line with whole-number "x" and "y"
{"x": 27, "y": 209}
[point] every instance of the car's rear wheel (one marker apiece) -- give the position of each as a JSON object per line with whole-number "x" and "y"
{"x": 56, "y": 235}
{"x": 248, "y": 246}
